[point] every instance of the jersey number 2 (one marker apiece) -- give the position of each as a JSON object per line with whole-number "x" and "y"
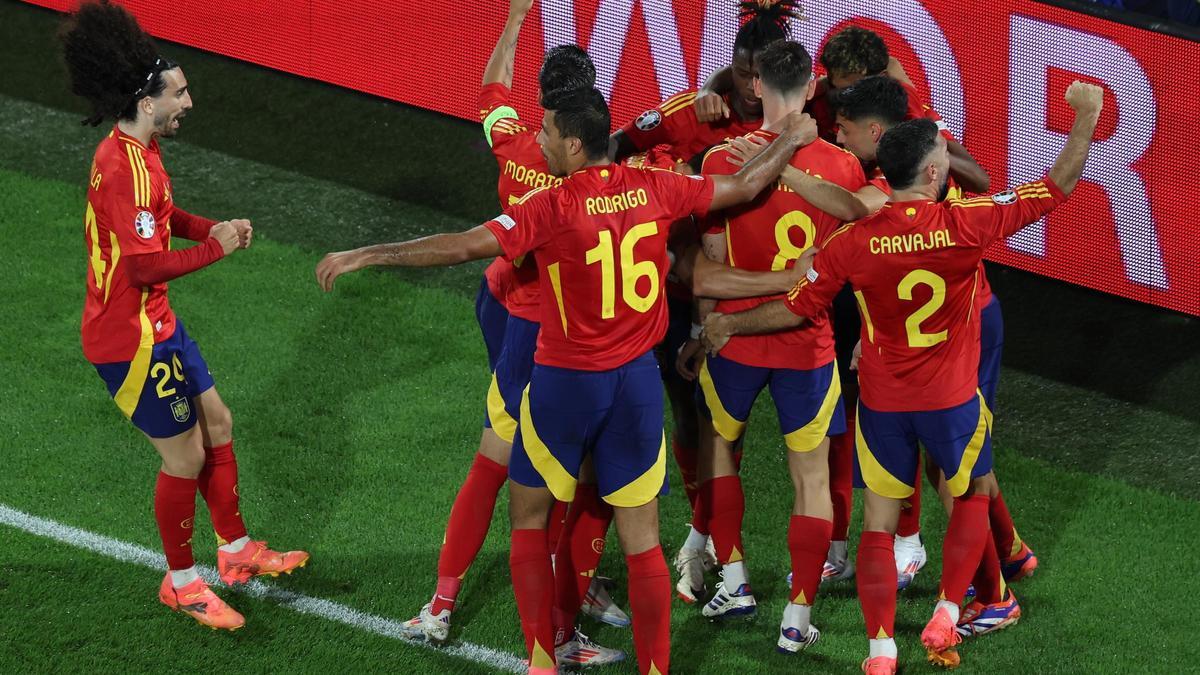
{"x": 913, "y": 323}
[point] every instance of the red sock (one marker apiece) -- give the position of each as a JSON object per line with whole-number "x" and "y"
{"x": 963, "y": 547}
{"x": 650, "y": 602}
{"x": 841, "y": 482}
{"x": 470, "y": 517}
{"x": 989, "y": 583}
{"x": 910, "y": 516}
{"x": 700, "y": 510}
{"x": 578, "y": 553}
{"x": 1008, "y": 543}
{"x": 808, "y": 542}
{"x": 175, "y": 509}
{"x": 726, "y": 509}
{"x": 533, "y": 586}
{"x": 218, "y": 485}
{"x": 686, "y": 458}
{"x": 876, "y": 578}
{"x": 554, "y": 526}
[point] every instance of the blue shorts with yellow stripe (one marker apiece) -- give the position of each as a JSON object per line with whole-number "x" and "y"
{"x": 958, "y": 439}
{"x": 510, "y": 377}
{"x": 808, "y": 402}
{"x": 991, "y": 345}
{"x": 493, "y": 319}
{"x": 155, "y": 389}
{"x": 616, "y": 416}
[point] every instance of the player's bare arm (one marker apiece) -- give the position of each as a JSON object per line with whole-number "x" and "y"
{"x": 438, "y": 250}
{"x": 1086, "y": 100}
{"x": 499, "y": 67}
{"x": 766, "y": 318}
{"x": 965, "y": 169}
{"x": 759, "y": 172}
{"x": 712, "y": 279}
{"x": 710, "y": 102}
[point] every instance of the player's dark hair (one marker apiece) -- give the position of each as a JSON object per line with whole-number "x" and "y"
{"x": 855, "y": 50}
{"x": 566, "y": 68}
{"x": 785, "y": 66}
{"x": 764, "y": 22}
{"x": 902, "y": 150}
{"x": 111, "y": 62}
{"x": 582, "y": 114}
{"x": 878, "y": 96}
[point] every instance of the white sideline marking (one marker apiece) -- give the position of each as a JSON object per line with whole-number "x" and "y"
{"x": 326, "y": 609}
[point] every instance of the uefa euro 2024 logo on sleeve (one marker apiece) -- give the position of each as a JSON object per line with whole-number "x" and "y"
{"x": 143, "y": 223}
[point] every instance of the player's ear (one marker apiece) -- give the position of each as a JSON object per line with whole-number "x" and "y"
{"x": 812, "y": 88}
{"x": 574, "y": 146}
{"x": 756, "y": 83}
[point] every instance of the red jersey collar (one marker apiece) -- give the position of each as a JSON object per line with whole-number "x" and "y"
{"x": 122, "y": 136}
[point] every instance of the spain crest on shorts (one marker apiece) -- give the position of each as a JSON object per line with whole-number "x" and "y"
{"x": 181, "y": 410}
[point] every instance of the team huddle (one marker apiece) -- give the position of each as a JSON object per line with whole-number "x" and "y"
{"x": 770, "y": 230}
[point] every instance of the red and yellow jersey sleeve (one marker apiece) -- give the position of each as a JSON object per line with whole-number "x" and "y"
{"x": 919, "y": 109}
{"x": 815, "y": 292}
{"x": 672, "y": 122}
{"x": 525, "y": 225}
{"x": 127, "y": 200}
{"x": 982, "y": 220}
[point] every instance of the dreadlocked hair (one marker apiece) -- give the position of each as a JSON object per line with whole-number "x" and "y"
{"x": 763, "y": 22}
{"x": 111, "y": 61}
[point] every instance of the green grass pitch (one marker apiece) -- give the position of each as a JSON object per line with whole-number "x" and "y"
{"x": 356, "y": 415}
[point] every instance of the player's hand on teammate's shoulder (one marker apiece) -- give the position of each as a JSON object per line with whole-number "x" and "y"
{"x": 716, "y": 332}
{"x": 800, "y": 128}
{"x": 244, "y": 230}
{"x": 1084, "y": 98}
{"x": 745, "y": 148}
{"x": 226, "y": 232}
{"x": 710, "y": 107}
{"x": 334, "y": 265}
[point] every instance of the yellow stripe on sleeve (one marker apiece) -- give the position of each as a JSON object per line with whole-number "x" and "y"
{"x": 501, "y": 113}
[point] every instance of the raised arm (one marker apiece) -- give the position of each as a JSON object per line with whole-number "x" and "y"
{"x": 1087, "y": 100}
{"x": 500, "y": 65}
{"x": 438, "y": 250}
{"x": 766, "y": 167}
{"x": 832, "y": 198}
{"x": 965, "y": 169}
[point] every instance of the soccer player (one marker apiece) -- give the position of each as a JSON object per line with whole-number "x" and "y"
{"x": 599, "y": 240}
{"x": 153, "y": 370}
{"x": 914, "y": 270}
{"x": 507, "y": 310}
{"x": 798, "y": 365}
{"x": 864, "y": 112}
{"x": 686, "y": 126}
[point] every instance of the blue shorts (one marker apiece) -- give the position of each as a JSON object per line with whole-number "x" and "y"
{"x": 991, "y": 344}
{"x": 510, "y": 377}
{"x": 958, "y": 439}
{"x": 615, "y": 415}
{"x": 808, "y": 402}
{"x": 492, "y": 318}
{"x": 155, "y": 389}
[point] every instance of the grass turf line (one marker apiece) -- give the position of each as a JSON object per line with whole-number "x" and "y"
{"x": 354, "y": 414}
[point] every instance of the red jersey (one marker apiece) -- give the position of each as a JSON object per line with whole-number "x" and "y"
{"x": 914, "y": 269}
{"x": 769, "y": 233}
{"x": 600, "y": 240}
{"x": 674, "y": 123}
{"x": 683, "y": 231}
{"x": 522, "y": 168}
{"x": 128, "y": 213}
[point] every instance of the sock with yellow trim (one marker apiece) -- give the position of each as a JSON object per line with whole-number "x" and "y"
{"x": 963, "y": 547}
{"x": 650, "y": 603}
{"x": 467, "y": 527}
{"x": 808, "y": 543}
{"x": 218, "y": 482}
{"x": 578, "y": 553}
{"x": 533, "y": 586}
{"x": 876, "y": 579}
{"x": 726, "y": 509}
{"x": 1008, "y": 542}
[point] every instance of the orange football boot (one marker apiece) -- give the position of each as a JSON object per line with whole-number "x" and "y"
{"x": 940, "y": 638}
{"x": 879, "y": 665}
{"x": 256, "y": 559}
{"x": 199, "y": 602}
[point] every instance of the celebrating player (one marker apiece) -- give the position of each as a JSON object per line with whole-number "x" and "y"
{"x": 154, "y": 371}
{"x": 914, "y": 268}
{"x": 599, "y": 240}
{"x": 798, "y": 365}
